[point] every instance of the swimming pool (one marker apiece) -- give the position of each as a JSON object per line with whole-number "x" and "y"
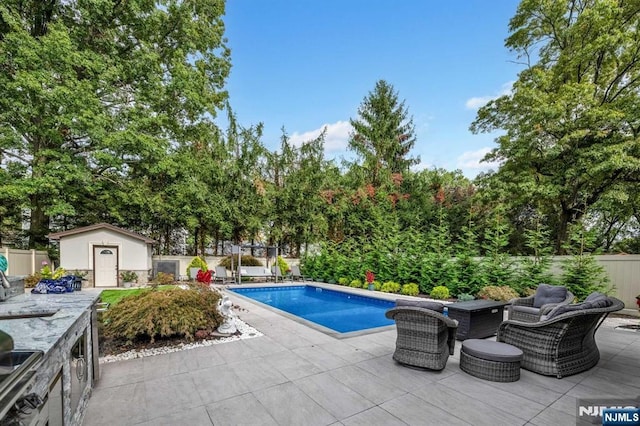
{"x": 339, "y": 311}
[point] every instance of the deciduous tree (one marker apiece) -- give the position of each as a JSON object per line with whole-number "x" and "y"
{"x": 571, "y": 122}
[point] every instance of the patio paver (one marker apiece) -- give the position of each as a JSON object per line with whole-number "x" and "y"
{"x": 296, "y": 375}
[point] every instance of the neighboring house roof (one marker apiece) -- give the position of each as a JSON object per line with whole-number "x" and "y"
{"x": 99, "y": 226}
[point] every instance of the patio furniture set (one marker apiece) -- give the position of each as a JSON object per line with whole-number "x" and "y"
{"x": 544, "y": 333}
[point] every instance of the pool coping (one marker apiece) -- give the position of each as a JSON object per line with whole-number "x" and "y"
{"x": 392, "y": 297}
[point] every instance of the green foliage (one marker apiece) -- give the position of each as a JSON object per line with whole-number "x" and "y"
{"x": 163, "y": 278}
{"x": 468, "y": 270}
{"x": 565, "y": 140}
{"x": 390, "y": 287}
{"x": 465, "y": 297}
{"x": 438, "y": 268}
{"x": 384, "y": 133}
{"x": 112, "y": 297}
{"x": 283, "y": 265}
{"x": 377, "y": 285}
{"x": 439, "y": 292}
{"x": 246, "y": 260}
{"x": 356, "y": 283}
{"x": 153, "y": 314}
{"x": 500, "y": 293}
{"x": 343, "y": 281}
{"x": 197, "y": 262}
{"x": 129, "y": 276}
{"x": 92, "y": 96}
{"x": 535, "y": 269}
{"x": 410, "y": 289}
{"x": 46, "y": 271}
{"x": 581, "y": 273}
{"x": 496, "y": 267}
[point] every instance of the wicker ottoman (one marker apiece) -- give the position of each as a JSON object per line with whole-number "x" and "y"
{"x": 490, "y": 360}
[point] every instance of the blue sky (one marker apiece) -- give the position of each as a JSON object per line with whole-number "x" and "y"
{"x": 308, "y": 64}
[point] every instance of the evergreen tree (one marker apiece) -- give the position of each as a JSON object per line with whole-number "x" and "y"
{"x": 384, "y": 134}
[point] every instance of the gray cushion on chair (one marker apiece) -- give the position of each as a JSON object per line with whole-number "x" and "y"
{"x": 601, "y": 301}
{"x": 595, "y": 296}
{"x": 549, "y": 294}
{"x": 433, "y": 306}
{"x": 562, "y": 309}
{"x": 528, "y": 309}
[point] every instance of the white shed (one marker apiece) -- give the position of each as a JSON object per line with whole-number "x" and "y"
{"x": 103, "y": 251}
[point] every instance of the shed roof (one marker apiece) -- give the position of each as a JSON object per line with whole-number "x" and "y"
{"x": 99, "y": 226}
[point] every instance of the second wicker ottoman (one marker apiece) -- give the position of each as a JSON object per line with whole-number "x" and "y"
{"x": 490, "y": 360}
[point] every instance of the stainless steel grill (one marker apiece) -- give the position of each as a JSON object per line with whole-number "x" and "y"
{"x": 17, "y": 373}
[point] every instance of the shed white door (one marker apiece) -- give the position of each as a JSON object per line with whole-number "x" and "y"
{"x": 105, "y": 270}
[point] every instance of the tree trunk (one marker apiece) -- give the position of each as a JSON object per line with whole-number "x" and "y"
{"x": 196, "y": 235}
{"x": 167, "y": 240}
{"x": 202, "y": 240}
{"x": 39, "y": 227}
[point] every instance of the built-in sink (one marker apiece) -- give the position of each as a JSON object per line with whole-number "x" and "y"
{"x": 23, "y": 315}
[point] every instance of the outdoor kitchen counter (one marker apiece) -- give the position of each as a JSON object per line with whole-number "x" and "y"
{"x": 44, "y": 332}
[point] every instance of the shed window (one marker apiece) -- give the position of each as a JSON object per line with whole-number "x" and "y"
{"x": 106, "y": 251}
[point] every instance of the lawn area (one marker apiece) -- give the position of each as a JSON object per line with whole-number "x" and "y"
{"x": 114, "y": 296}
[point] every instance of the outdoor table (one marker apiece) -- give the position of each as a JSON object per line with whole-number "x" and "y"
{"x": 477, "y": 319}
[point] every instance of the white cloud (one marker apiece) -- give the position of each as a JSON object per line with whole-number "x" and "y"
{"x": 336, "y": 139}
{"x": 478, "y": 101}
{"x": 471, "y": 160}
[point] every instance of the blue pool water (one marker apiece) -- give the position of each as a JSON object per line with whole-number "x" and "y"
{"x": 339, "y": 311}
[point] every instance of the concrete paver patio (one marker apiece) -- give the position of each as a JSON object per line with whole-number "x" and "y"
{"x": 295, "y": 375}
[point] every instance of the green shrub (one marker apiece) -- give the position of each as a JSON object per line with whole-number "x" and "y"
{"x": 356, "y": 284}
{"x": 247, "y": 260}
{"x": 129, "y": 276}
{"x": 377, "y": 285}
{"x": 343, "y": 281}
{"x": 196, "y": 262}
{"x": 465, "y": 297}
{"x": 503, "y": 293}
{"x": 390, "y": 287}
{"x": 153, "y": 314}
{"x": 163, "y": 279}
{"x": 410, "y": 289}
{"x": 439, "y": 292}
{"x": 283, "y": 265}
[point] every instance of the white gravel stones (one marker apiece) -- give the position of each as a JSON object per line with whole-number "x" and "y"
{"x": 246, "y": 332}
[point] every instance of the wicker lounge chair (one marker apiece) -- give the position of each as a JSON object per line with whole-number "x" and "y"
{"x": 531, "y": 308}
{"x": 563, "y": 342}
{"x": 426, "y": 337}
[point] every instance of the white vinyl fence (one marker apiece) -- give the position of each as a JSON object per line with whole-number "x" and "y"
{"x": 24, "y": 262}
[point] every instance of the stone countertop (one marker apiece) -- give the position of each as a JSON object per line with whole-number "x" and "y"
{"x": 42, "y": 333}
